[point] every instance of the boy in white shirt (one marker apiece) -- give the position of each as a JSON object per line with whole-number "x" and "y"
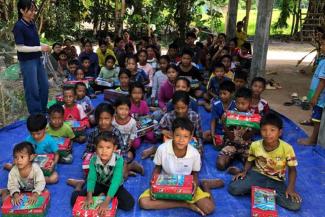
{"x": 176, "y": 157}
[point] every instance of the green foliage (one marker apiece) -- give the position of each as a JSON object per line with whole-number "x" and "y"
{"x": 284, "y": 15}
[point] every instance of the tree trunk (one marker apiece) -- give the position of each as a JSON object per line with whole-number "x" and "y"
{"x": 248, "y": 9}
{"x": 232, "y": 18}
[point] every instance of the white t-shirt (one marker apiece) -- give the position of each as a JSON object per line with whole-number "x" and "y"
{"x": 172, "y": 165}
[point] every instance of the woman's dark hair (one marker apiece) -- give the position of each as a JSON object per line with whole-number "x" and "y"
{"x": 24, "y": 5}
{"x": 103, "y": 107}
{"x": 124, "y": 100}
{"x": 137, "y": 85}
{"x": 181, "y": 96}
{"x": 24, "y": 145}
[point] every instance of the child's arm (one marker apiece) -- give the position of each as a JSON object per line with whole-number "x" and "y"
{"x": 290, "y": 192}
{"x": 213, "y": 129}
{"x": 91, "y": 181}
{"x": 320, "y": 88}
{"x": 56, "y": 158}
{"x": 154, "y": 87}
{"x": 242, "y": 175}
{"x": 210, "y": 92}
{"x": 156, "y": 171}
{"x": 195, "y": 180}
{"x": 40, "y": 183}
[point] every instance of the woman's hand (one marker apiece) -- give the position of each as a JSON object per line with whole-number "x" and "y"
{"x": 45, "y": 48}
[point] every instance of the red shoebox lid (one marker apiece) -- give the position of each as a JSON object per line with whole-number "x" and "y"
{"x": 92, "y": 211}
{"x": 263, "y": 202}
{"x": 64, "y": 143}
{"x": 45, "y": 161}
{"x": 172, "y": 184}
{"x": 243, "y": 116}
{"x": 38, "y": 208}
{"x": 86, "y": 160}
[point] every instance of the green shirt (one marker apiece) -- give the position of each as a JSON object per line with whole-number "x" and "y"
{"x": 108, "y": 74}
{"x": 65, "y": 131}
{"x": 110, "y": 174}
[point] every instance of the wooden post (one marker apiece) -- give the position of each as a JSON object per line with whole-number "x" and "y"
{"x": 261, "y": 38}
{"x": 232, "y": 18}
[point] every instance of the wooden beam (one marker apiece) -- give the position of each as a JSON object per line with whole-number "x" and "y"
{"x": 261, "y": 38}
{"x": 232, "y": 18}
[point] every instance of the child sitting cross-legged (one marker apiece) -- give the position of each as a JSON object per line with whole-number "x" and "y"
{"x": 237, "y": 139}
{"x": 25, "y": 176}
{"x": 266, "y": 166}
{"x": 83, "y": 100}
{"x": 74, "y": 112}
{"x": 177, "y": 157}
{"x": 259, "y": 105}
{"x": 105, "y": 176}
{"x": 58, "y": 128}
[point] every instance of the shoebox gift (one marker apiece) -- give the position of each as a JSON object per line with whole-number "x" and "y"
{"x": 46, "y": 162}
{"x": 243, "y": 119}
{"x": 263, "y": 202}
{"x": 79, "y": 210}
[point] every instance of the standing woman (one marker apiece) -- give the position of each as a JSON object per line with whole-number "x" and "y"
{"x": 29, "y": 52}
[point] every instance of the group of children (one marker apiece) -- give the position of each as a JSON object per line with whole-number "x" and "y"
{"x": 169, "y": 94}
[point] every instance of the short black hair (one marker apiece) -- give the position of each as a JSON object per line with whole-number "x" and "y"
{"x": 226, "y": 56}
{"x": 142, "y": 51}
{"x": 103, "y": 107}
{"x": 228, "y": 86}
{"x": 110, "y": 57}
{"x": 23, "y": 145}
{"x": 123, "y": 100}
{"x": 218, "y": 65}
{"x": 183, "y": 123}
{"x": 182, "y": 96}
{"x": 247, "y": 46}
{"x": 259, "y": 79}
{"x": 73, "y": 62}
{"x": 187, "y": 52}
{"x": 56, "y": 43}
{"x": 235, "y": 40}
{"x": 102, "y": 42}
{"x": 69, "y": 88}
{"x": 272, "y": 119}
{"x": 222, "y": 34}
{"x": 137, "y": 84}
{"x": 132, "y": 57}
{"x": 173, "y": 46}
{"x": 85, "y": 58}
{"x": 191, "y": 34}
{"x": 56, "y": 108}
{"x": 182, "y": 78}
{"x": 164, "y": 57}
{"x": 36, "y": 122}
{"x": 107, "y": 137}
{"x": 239, "y": 74}
{"x": 124, "y": 71}
{"x": 24, "y": 5}
{"x": 80, "y": 84}
{"x": 244, "y": 92}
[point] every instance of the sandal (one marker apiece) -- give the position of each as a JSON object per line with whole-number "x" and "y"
{"x": 288, "y": 103}
{"x": 306, "y": 123}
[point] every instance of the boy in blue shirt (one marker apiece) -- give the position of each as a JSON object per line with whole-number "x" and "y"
{"x": 317, "y": 97}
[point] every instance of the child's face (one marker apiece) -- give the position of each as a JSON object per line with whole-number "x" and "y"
{"x": 219, "y": 73}
{"x": 57, "y": 49}
{"x": 121, "y": 44}
{"x": 270, "y": 134}
{"x": 257, "y": 88}
{"x": 22, "y": 159}
{"x": 225, "y": 96}
{"x": 103, "y": 48}
{"x": 186, "y": 60}
{"x": 142, "y": 58}
{"x": 226, "y": 62}
{"x": 151, "y": 53}
{"x": 122, "y": 111}
{"x": 172, "y": 52}
{"x": 171, "y": 74}
{"x": 242, "y": 104}
{"x": 231, "y": 45}
{"x": 56, "y": 120}
{"x": 105, "y": 121}
{"x": 88, "y": 48}
{"x": 69, "y": 97}
{"x": 239, "y": 83}
{"x": 86, "y": 64}
{"x": 181, "y": 138}
{"x": 182, "y": 85}
{"x": 80, "y": 75}
{"x": 181, "y": 109}
{"x": 38, "y": 135}
{"x": 72, "y": 68}
{"x": 132, "y": 66}
{"x": 244, "y": 51}
{"x": 105, "y": 150}
{"x": 81, "y": 92}
{"x": 239, "y": 27}
{"x": 124, "y": 80}
{"x": 190, "y": 40}
{"x": 224, "y": 52}
{"x": 137, "y": 94}
{"x": 163, "y": 65}
{"x": 109, "y": 64}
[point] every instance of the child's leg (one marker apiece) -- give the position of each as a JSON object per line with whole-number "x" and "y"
{"x": 52, "y": 179}
{"x": 150, "y": 137}
{"x": 4, "y": 194}
{"x": 316, "y": 118}
{"x": 125, "y": 199}
{"x": 281, "y": 198}
{"x": 148, "y": 152}
{"x": 225, "y": 157}
{"x": 8, "y": 166}
{"x": 79, "y": 190}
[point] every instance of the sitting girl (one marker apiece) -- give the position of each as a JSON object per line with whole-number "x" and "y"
{"x": 146, "y": 67}
{"x": 167, "y": 89}
{"x": 136, "y": 74}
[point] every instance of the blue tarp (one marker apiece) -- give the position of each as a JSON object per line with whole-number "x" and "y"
{"x": 310, "y": 182}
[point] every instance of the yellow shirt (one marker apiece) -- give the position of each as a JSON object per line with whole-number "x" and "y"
{"x": 241, "y": 38}
{"x": 274, "y": 163}
{"x": 102, "y": 57}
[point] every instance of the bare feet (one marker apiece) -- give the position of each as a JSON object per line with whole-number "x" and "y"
{"x": 195, "y": 208}
{"x": 136, "y": 167}
{"x": 148, "y": 152}
{"x": 8, "y": 166}
{"x": 77, "y": 183}
{"x": 233, "y": 170}
{"x": 208, "y": 184}
{"x": 306, "y": 142}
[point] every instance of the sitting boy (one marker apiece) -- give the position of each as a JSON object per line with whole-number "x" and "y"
{"x": 176, "y": 157}
{"x": 259, "y": 105}
{"x": 269, "y": 159}
{"x": 240, "y": 79}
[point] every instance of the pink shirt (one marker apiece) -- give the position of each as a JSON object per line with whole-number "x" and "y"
{"x": 149, "y": 71}
{"x": 166, "y": 92}
{"x": 140, "y": 110}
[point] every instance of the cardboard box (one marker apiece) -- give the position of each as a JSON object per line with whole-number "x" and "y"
{"x": 37, "y": 210}
{"x": 78, "y": 126}
{"x": 79, "y": 211}
{"x": 243, "y": 119}
{"x": 145, "y": 124}
{"x": 172, "y": 187}
{"x": 46, "y": 162}
{"x": 65, "y": 146}
{"x": 86, "y": 162}
{"x": 263, "y": 202}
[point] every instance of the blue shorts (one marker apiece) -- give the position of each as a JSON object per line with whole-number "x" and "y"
{"x": 316, "y": 115}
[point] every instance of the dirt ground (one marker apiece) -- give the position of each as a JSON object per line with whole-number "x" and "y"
{"x": 281, "y": 66}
